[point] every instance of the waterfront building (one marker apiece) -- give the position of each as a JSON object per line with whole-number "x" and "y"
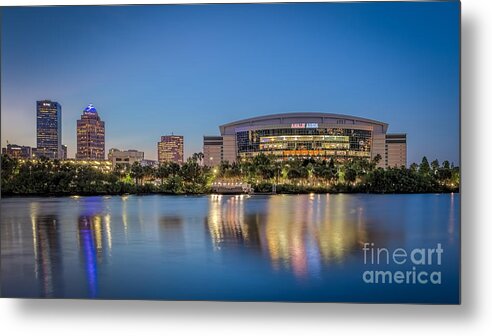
{"x": 395, "y": 150}
{"x": 125, "y": 157}
{"x": 48, "y": 129}
{"x": 90, "y": 135}
{"x": 17, "y": 152}
{"x": 171, "y": 149}
{"x": 212, "y": 150}
{"x": 306, "y": 135}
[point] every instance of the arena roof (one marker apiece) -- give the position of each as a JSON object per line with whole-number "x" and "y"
{"x": 308, "y": 117}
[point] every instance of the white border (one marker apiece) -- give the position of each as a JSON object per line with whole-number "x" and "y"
{"x": 83, "y": 317}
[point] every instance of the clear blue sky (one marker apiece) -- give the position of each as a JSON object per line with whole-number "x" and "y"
{"x": 153, "y": 70}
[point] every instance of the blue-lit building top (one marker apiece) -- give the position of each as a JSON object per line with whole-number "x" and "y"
{"x": 90, "y": 108}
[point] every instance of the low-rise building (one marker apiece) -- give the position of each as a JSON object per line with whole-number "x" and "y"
{"x": 125, "y": 157}
{"x": 17, "y": 152}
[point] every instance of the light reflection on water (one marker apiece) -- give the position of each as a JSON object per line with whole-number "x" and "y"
{"x": 295, "y": 248}
{"x": 293, "y": 233}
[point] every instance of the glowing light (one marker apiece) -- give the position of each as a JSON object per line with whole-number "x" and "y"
{"x": 98, "y": 233}
{"x": 90, "y": 108}
{"x": 34, "y": 211}
{"x": 107, "y": 223}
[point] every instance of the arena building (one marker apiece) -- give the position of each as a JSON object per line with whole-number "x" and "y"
{"x": 306, "y": 135}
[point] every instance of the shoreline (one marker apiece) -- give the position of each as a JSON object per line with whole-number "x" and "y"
{"x": 262, "y": 176}
{"x": 57, "y": 195}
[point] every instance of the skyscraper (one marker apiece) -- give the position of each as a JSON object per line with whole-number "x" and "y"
{"x": 170, "y": 148}
{"x": 90, "y": 135}
{"x": 48, "y": 129}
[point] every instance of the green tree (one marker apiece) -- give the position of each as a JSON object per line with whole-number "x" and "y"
{"x": 424, "y": 168}
{"x": 137, "y": 172}
{"x": 350, "y": 175}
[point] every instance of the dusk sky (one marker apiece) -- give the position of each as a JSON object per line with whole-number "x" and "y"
{"x": 186, "y": 69}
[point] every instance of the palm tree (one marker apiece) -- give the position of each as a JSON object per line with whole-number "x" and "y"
{"x": 137, "y": 172}
{"x": 277, "y": 167}
{"x": 148, "y": 172}
{"x": 162, "y": 172}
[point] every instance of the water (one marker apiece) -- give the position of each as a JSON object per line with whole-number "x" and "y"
{"x": 248, "y": 248}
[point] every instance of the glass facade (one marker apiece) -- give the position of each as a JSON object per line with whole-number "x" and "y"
{"x": 48, "y": 129}
{"x": 284, "y": 143}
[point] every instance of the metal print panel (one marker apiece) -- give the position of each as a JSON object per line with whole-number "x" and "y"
{"x": 302, "y": 152}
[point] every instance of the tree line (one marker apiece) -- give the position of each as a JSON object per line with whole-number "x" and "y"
{"x": 54, "y": 177}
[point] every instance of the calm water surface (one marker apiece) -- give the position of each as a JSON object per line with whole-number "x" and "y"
{"x": 275, "y": 248}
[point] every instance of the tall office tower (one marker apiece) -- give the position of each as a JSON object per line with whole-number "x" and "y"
{"x": 170, "y": 148}
{"x": 48, "y": 129}
{"x": 90, "y": 135}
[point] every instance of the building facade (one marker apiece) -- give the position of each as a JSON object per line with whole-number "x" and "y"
{"x": 90, "y": 135}
{"x": 213, "y": 150}
{"x": 149, "y": 163}
{"x": 171, "y": 149}
{"x": 306, "y": 135}
{"x": 48, "y": 129}
{"x": 125, "y": 157}
{"x": 64, "y": 152}
{"x": 395, "y": 150}
{"x": 17, "y": 152}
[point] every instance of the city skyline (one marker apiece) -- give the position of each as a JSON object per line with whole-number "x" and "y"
{"x": 169, "y": 69}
